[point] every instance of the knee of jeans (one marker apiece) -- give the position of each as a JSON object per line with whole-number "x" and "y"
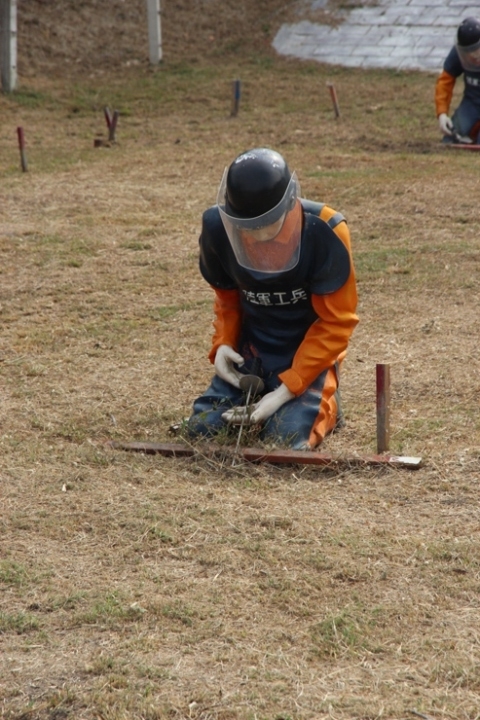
{"x": 288, "y": 434}
{"x": 205, "y": 424}
{"x": 462, "y": 122}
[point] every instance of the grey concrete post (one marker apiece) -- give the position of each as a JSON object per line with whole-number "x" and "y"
{"x": 8, "y": 44}
{"x": 154, "y": 31}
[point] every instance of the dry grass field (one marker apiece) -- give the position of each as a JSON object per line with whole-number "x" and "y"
{"x": 138, "y": 587}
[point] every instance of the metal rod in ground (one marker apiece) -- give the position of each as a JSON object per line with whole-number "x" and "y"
{"x": 247, "y": 404}
{"x": 259, "y": 455}
{"x": 21, "y": 146}
{"x": 333, "y": 95}
{"x": 113, "y": 126}
{"x": 383, "y": 408}
{"x": 237, "y": 91}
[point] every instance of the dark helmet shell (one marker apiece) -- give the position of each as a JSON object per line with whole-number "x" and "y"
{"x": 468, "y": 32}
{"x": 256, "y": 182}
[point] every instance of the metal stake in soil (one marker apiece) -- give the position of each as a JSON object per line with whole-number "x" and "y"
{"x": 383, "y": 407}
{"x": 21, "y": 147}
{"x": 252, "y": 385}
{"x": 333, "y": 95}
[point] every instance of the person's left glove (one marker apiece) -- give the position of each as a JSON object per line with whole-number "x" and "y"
{"x": 263, "y": 409}
{"x": 445, "y": 124}
{"x": 224, "y": 365}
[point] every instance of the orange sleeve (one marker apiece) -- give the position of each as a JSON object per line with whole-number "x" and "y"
{"x": 327, "y": 339}
{"x": 228, "y": 318}
{"x": 444, "y": 92}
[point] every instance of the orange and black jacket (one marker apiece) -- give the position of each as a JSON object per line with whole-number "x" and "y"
{"x": 298, "y": 322}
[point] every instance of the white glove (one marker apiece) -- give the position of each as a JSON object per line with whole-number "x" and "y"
{"x": 223, "y": 365}
{"x": 445, "y": 124}
{"x": 465, "y": 139}
{"x": 261, "y": 410}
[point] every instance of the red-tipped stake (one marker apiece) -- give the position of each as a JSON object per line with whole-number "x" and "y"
{"x": 333, "y": 95}
{"x": 21, "y": 146}
{"x": 383, "y": 408}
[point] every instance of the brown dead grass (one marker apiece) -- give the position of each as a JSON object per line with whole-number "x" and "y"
{"x": 144, "y": 587}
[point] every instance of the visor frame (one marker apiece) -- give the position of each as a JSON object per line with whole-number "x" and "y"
{"x": 235, "y": 227}
{"x": 464, "y": 51}
{"x": 287, "y": 202}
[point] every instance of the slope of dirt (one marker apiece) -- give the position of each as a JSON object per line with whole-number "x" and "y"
{"x": 67, "y": 38}
{"x": 72, "y": 37}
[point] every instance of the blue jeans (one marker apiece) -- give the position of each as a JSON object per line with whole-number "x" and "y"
{"x": 317, "y": 409}
{"x": 465, "y": 117}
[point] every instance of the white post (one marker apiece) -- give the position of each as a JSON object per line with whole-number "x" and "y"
{"x": 8, "y": 44}
{"x": 154, "y": 31}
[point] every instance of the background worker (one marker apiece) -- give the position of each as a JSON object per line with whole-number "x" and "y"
{"x": 463, "y": 58}
{"x": 285, "y": 304}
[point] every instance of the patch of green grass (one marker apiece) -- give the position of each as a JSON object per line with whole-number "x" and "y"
{"x": 168, "y": 311}
{"x": 157, "y": 533}
{"x": 350, "y": 630}
{"x": 109, "y": 610}
{"x": 59, "y": 699}
{"x": 18, "y": 623}
{"x": 417, "y": 429}
{"x": 29, "y": 98}
{"x": 101, "y": 665}
{"x": 136, "y": 245}
{"x": 178, "y": 613}
{"x": 12, "y": 573}
{"x": 377, "y": 261}
{"x": 334, "y": 634}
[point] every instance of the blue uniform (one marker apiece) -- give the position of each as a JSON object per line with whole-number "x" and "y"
{"x": 467, "y": 114}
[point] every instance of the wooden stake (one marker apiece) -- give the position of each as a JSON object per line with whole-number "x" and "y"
{"x": 383, "y": 408}
{"x": 255, "y": 455}
{"x": 333, "y": 95}
{"x": 21, "y": 146}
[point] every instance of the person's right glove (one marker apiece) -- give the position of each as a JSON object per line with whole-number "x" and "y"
{"x": 224, "y": 359}
{"x": 261, "y": 410}
{"x": 445, "y": 124}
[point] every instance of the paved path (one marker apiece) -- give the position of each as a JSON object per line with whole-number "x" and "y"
{"x": 398, "y": 34}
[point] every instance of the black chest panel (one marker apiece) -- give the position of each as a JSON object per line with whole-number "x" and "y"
{"x": 323, "y": 266}
{"x": 277, "y": 309}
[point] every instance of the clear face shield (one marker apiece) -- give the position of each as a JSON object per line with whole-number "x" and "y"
{"x": 470, "y": 56}
{"x": 269, "y": 243}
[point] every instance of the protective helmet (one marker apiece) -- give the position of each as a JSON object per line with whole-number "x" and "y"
{"x": 468, "y": 44}
{"x": 256, "y": 197}
{"x": 256, "y": 183}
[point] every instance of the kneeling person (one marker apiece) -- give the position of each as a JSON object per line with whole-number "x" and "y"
{"x": 285, "y": 304}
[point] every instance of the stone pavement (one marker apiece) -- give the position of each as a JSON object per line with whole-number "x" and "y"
{"x": 398, "y": 34}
